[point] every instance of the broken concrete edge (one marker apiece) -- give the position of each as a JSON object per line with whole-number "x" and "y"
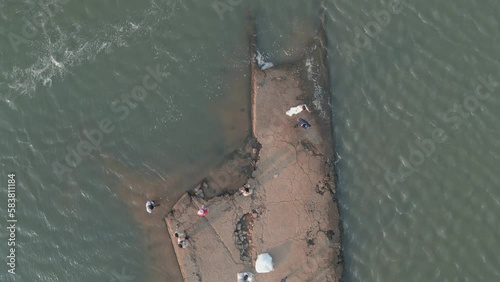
{"x": 323, "y": 38}
{"x": 186, "y": 273}
{"x": 243, "y": 237}
{"x": 231, "y": 174}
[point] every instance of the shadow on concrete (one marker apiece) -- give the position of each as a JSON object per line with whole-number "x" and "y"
{"x": 280, "y": 253}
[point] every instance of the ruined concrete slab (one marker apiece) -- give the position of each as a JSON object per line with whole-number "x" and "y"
{"x": 298, "y": 220}
{"x": 212, "y": 254}
{"x": 292, "y": 214}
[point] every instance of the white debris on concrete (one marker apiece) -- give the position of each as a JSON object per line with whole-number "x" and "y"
{"x": 263, "y": 65}
{"x": 295, "y": 110}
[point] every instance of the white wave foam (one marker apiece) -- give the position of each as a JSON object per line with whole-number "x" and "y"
{"x": 55, "y": 56}
{"x": 312, "y": 75}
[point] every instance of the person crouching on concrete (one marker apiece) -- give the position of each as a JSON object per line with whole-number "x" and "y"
{"x": 246, "y": 190}
{"x": 203, "y": 211}
{"x": 182, "y": 239}
{"x": 178, "y": 233}
{"x": 184, "y": 243}
{"x": 303, "y": 123}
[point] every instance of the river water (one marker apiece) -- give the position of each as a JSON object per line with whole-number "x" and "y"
{"x": 417, "y": 146}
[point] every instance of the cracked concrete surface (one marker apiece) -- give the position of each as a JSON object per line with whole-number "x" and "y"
{"x": 296, "y": 215}
{"x": 299, "y": 222}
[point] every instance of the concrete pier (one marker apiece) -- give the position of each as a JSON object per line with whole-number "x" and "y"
{"x": 292, "y": 213}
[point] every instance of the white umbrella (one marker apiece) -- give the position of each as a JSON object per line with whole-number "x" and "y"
{"x": 264, "y": 263}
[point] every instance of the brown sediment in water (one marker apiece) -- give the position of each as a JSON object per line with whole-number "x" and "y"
{"x": 233, "y": 110}
{"x": 292, "y": 213}
{"x": 134, "y": 186}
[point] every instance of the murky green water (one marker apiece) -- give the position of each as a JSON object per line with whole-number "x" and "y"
{"x": 408, "y": 216}
{"x": 415, "y": 209}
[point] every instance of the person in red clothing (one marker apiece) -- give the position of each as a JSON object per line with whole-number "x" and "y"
{"x": 203, "y": 211}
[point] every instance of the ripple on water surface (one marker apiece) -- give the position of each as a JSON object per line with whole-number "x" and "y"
{"x": 438, "y": 222}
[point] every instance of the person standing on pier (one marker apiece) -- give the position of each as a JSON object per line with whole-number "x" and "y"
{"x": 150, "y": 205}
